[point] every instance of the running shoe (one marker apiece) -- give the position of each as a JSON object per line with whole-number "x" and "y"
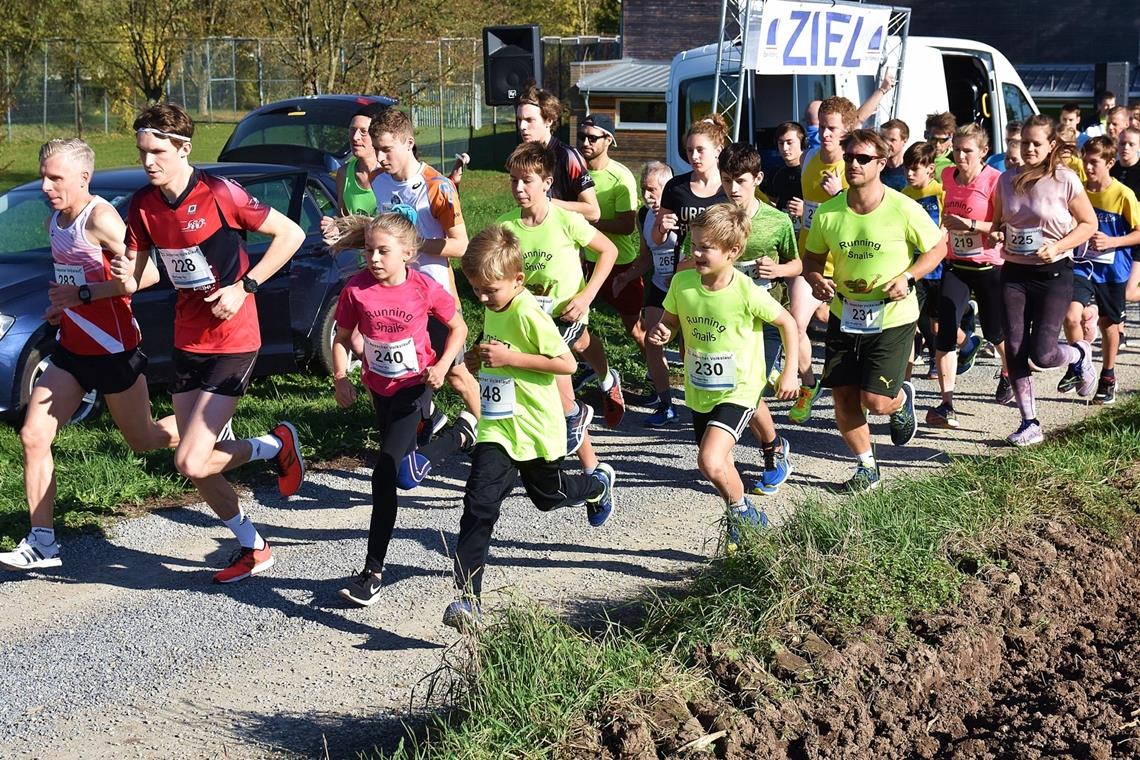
{"x": 1105, "y": 391}
{"x": 577, "y": 425}
{"x": 968, "y": 354}
{"x": 246, "y": 562}
{"x": 465, "y": 426}
{"x": 1070, "y": 381}
{"x": 290, "y": 463}
{"x": 429, "y": 428}
{"x": 651, "y": 400}
{"x": 613, "y": 403}
{"x": 364, "y": 589}
{"x": 903, "y": 423}
{"x": 988, "y": 351}
{"x": 864, "y": 479}
{"x": 747, "y": 514}
{"x": 665, "y": 415}
{"x": 1027, "y": 434}
{"x": 599, "y": 508}
{"x": 583, "y": 377}
{"x": 969, "y": 321}
{"x": 942, "y": 416}
{"x": 1004, "y": 392}
{"x": 801, "y": 410}
{"x": 1086, "y": 370}
{"x": 1123, "y": 337}
{"x": 32, "y": 555}
{"x": 462, "y": 615}
{"x": 413, "y": 468}
{"x": 777, "y": 468}
{"x": 932, "y": 373}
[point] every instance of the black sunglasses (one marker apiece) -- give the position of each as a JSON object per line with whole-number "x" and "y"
{"x": 584, "y": 137}
{"x": 859, "y": 158}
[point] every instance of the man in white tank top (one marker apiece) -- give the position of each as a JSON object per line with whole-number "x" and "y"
{"x": 98, "y": 341}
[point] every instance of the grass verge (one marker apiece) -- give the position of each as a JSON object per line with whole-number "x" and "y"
{"x": 902, "y": 550}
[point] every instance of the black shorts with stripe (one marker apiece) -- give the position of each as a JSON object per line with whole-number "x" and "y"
{"x": 732, "y": 418}
{"x": 220, "y": 374}
{"x": 106, "y": 373}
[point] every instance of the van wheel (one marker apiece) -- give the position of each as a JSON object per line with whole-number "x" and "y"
{"x": 34, "y": 367}
{"x": 321, "y": 349}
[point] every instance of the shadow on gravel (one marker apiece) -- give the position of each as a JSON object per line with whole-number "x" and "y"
{"x": 325, "y": 734}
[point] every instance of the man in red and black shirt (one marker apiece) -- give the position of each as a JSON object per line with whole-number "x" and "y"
{"x": 195, "y": 221}
{"x": 537, "y": 114}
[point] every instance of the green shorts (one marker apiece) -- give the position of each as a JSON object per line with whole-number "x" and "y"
{"x": 876, "y": 363}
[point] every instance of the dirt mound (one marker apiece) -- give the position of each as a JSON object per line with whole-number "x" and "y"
{"x": 1041, "y": 658}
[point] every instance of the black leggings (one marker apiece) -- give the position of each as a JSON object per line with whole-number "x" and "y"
{"x": 1036, "y": 299}
{"x": 957, "y": 283}
{"x": 397, "y": 418}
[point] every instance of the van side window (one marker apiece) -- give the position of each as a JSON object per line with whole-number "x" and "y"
{"x": 1017, "y": 106}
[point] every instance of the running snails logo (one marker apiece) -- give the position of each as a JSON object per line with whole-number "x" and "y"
{"x": 861, "y": 285}
{"x": 540, "y": 288}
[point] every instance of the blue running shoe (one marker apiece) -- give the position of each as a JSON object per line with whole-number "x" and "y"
{"x": 665, "y": 415}
{"x": 585, "y": 375}
{"x": 577, "y": 426}
{"x": 776, "y": 471}
{"x": 462, "y": 615}
{"x": 864, "y": 479}
{"x": 746, "y": 515}
{"x": 968, "y": 353}
{"x": 412, "y": 470}
{"x": 599, "y": 509}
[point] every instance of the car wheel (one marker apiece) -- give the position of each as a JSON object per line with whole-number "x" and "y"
{"x": 34, "y": 367}
{"x": 323, "y": 339}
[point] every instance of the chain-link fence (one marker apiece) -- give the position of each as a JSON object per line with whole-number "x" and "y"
{"x": 91, "y": 86}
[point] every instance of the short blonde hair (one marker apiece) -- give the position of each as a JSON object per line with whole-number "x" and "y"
{"x": 73, "y": 148}
{"x": 725, "y": 225}
{"x": 354, "y": 230}
{"x": 492, "y": 255}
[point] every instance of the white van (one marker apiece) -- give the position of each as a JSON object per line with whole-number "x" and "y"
{"x": 972, "y": 80}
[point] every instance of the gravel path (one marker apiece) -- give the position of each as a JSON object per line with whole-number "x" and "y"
{"x": 129, "y": 651}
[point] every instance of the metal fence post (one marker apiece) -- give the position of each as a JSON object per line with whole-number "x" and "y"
{"x": 8, "y": 91}
{"x": 44, "y": 122}
{"x": 260, "y": 76}
{"x": 78, "y": 96}
{"x": 442, "y": 159}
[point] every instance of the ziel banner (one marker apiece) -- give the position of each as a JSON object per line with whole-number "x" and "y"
{"x": 813, "y": 38}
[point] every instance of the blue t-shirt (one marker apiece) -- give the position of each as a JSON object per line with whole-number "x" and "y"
{"x": 1117, "y": 214}
{"x": 997, "y": 161}
{"x": 894, "y": 178}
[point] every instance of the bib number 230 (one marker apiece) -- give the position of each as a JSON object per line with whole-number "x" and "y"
{"x": 712, "y": 372}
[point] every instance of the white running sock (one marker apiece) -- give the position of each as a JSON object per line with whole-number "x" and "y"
{"x": 263, "y": 447}
{"x": 739, "y": 506}
{"x": 44, "y": 536}
{"x": 866, "y": 459}
{"x": 608, "y": 381}
{"x": 245, "y": 531}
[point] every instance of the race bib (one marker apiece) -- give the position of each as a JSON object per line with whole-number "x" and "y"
{"x": 1024, "y": 242}
{"x": 546, "y": 302}
{"x": 711, "y": 371}
{"x": 496, "y": 397}
{"x": 862, "y": 317}
{"x": 70, "y": 274}
{"x": 748, "y": 268}
{"x": 663, "y": 262}
{"x": 797, "y": 222}
{"x": 966, "y": 243}
{"x": 392, "y": 360}
{"x": 810, "y": 208}
{"x": 187, "y": 267}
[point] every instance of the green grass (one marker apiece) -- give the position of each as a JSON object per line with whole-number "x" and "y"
{"x": 904, "y": 549}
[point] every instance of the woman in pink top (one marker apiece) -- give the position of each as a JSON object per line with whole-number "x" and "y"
{"x": 1041, "y": 213}
{"x": 389, "y": 303}
{"x": 971, "y": 265}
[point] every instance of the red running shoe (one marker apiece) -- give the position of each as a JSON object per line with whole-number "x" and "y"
{"x": 290, "y": 463}
{"x": 613, "y": 402}
{"x": 245, "y": 563}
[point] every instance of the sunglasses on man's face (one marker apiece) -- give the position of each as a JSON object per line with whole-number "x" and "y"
{"x": 939, "y": 138}
{"x": 588, "y": 138}
{"x": 859, "y": 158}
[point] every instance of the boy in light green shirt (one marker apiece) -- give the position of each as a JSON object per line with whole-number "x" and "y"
{"x": 769, "y": 255}
{"x": 521, "y": 428}
{"x": 718, "y": 310}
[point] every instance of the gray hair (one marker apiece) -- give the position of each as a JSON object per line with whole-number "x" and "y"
{"x": 657, "y": 169}
{"x": 73, "y": 148}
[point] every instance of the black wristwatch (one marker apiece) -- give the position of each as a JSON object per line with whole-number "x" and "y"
{"x": 85, "y": 294}
{"x": 909, "y": 279}
{"x": 249, "y": 284}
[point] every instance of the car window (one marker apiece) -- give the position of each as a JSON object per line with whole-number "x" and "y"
{"x": 285, "y": 129}
{"x": 1017, "y": 106}
{"x": 22, "y": 217}
{"x": 317, "y": 204}
{"x": 275, "y": 192}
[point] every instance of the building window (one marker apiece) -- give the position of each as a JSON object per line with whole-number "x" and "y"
{"x": 641, "y": 114}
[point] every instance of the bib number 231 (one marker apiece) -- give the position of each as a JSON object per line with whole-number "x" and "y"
{"x": 862, "y": 317}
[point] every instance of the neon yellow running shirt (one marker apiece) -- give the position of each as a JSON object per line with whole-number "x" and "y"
{"x": 551, "y": 263}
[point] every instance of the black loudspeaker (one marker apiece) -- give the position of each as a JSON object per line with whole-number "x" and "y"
{"x": 512, "y": 56}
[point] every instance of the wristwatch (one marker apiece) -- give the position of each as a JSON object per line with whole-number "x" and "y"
{"x": 909, "y": 279}
{"x": 249, "y": 284}
{"x": 85, "y": 294}
{"x": 973, "y": 225}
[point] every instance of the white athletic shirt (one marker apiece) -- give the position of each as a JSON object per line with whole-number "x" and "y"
{"x": 437, "y": 209}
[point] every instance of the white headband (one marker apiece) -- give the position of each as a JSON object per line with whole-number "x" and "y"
{"x": 160, "y": 133}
